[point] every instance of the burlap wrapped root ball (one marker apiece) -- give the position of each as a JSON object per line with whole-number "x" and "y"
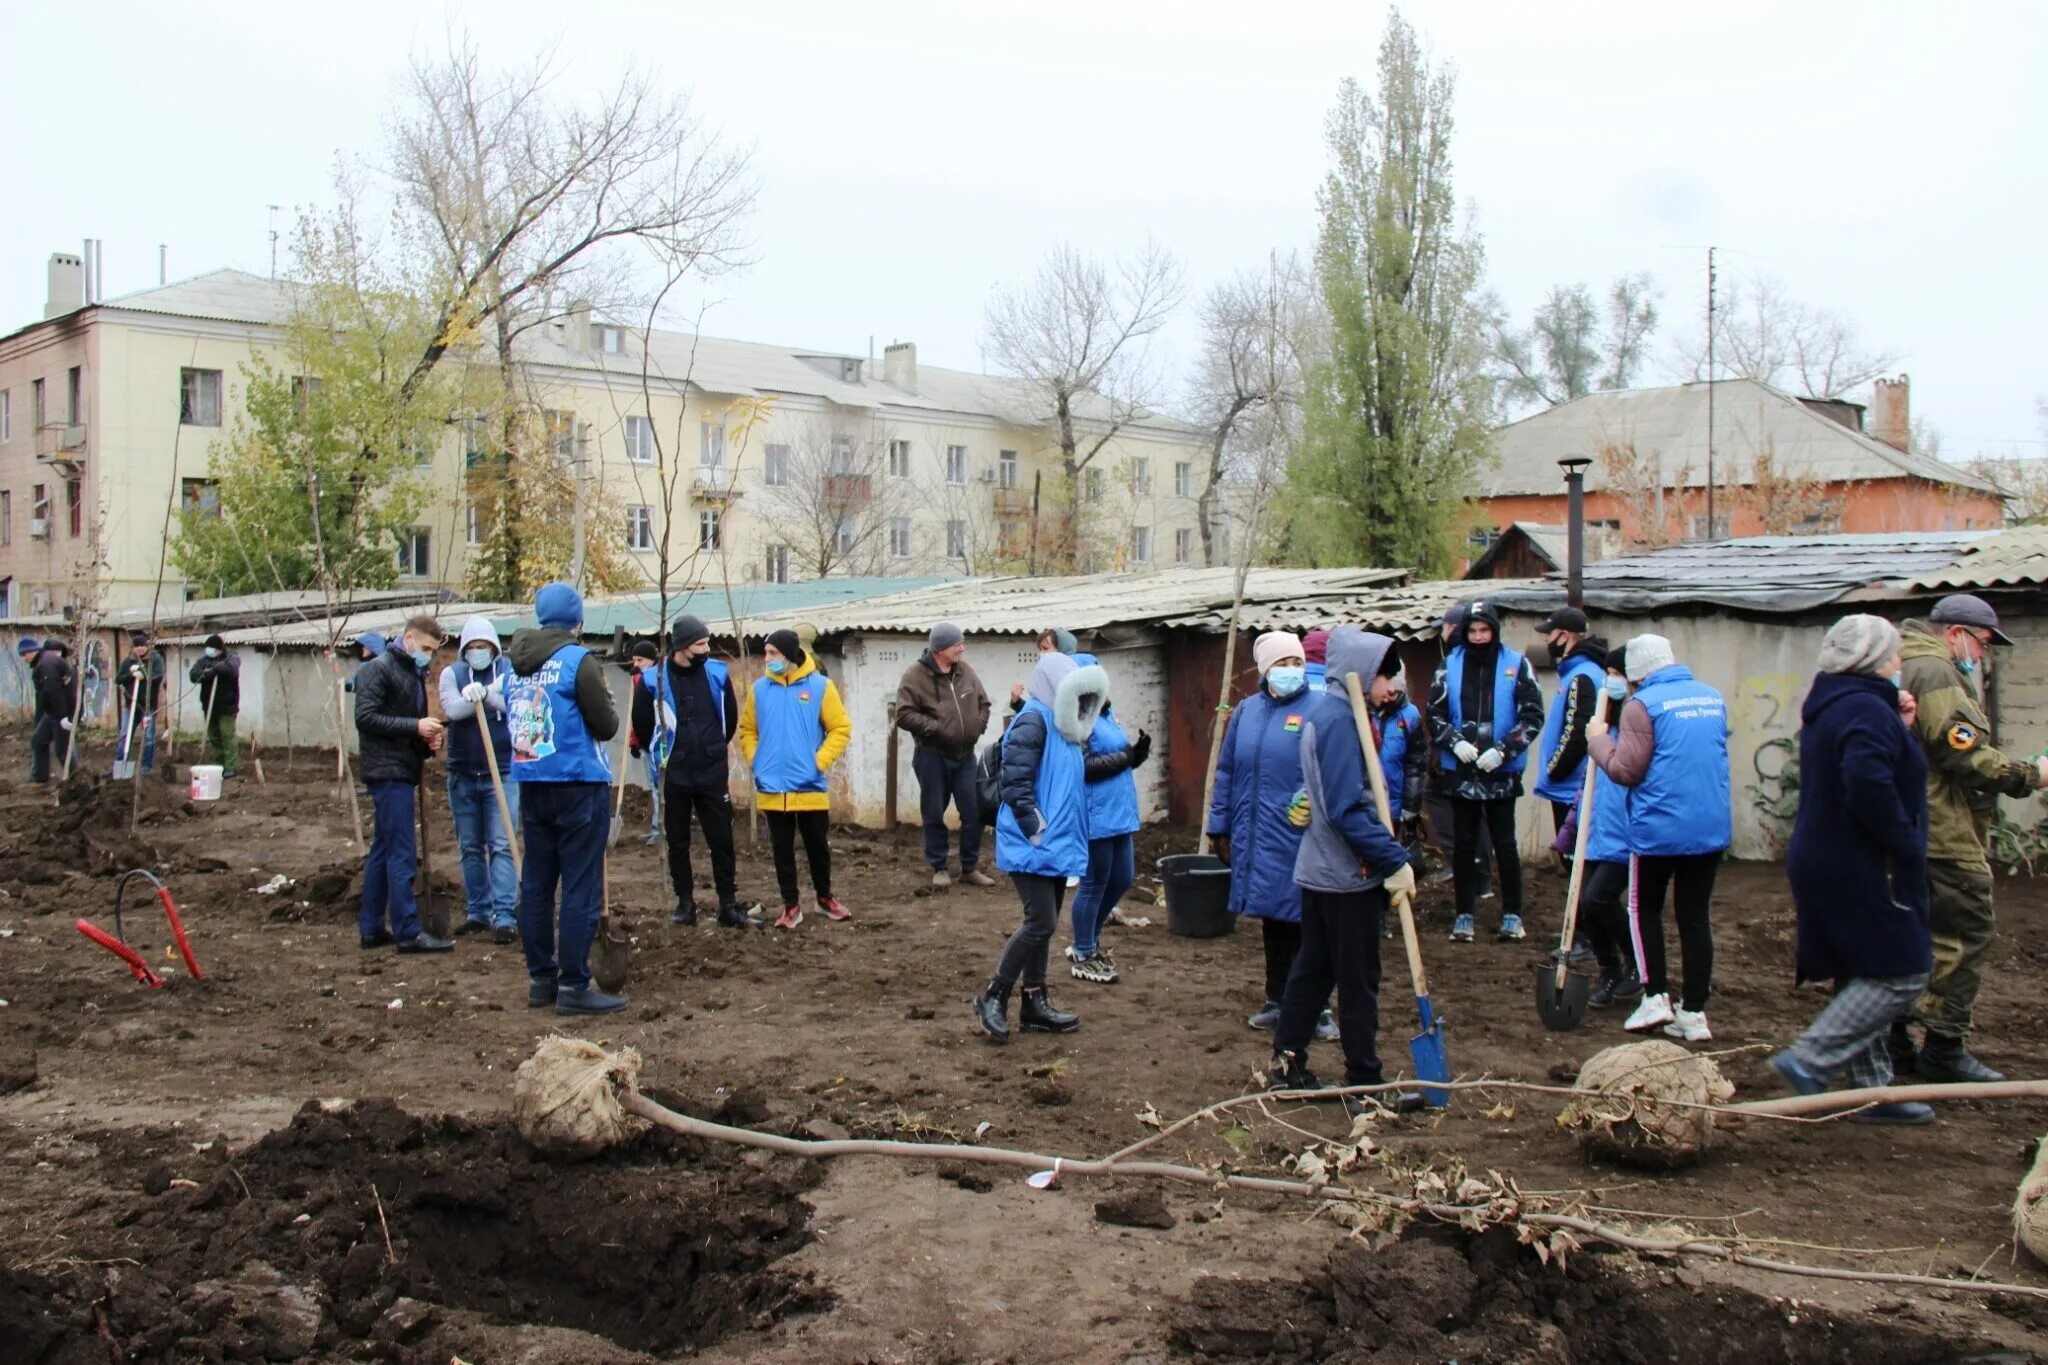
{"x": 566, "y": 1099}
{"x": 1628, "y": 1113}
{"x": 2030, "y": 1209}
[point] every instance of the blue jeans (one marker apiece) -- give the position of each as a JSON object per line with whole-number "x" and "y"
{"x": 489, "y": 884}
{"x": 394, "y": 857}
{"x": 147, "y": 725}
{"x": 1112, "y": 867}
{"x": 565, "y": 825}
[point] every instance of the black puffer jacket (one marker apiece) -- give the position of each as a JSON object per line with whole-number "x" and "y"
{"x": 56, "y": 683}
{"x": 391, "y": 697}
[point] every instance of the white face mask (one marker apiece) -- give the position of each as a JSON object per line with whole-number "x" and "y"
{"x": 479, "y": 660}
{"x": 212, "y": 653}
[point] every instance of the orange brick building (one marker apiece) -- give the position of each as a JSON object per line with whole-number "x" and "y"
{"x": 1782, "y": 466}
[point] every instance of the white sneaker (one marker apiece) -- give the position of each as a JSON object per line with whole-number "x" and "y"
{"x": 1689, "y": 1026}
{"x": 1654, "y": 1010}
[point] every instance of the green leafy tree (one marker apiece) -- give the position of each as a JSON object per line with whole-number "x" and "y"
{"x": 1398, "y": 404}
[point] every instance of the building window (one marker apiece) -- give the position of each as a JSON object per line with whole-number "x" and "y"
{"x": 778, "y": 563}
{"x": 6, "y": 414}
{"x": 6, "y": 518}
{"x": 74, "y": 506}
{"x": 956, "y": 464}
{"x": 1697, "y": 528}
{"x": 74, "y": 395}
{"x": 561, "y": 434}
{"x": 198, "y": 398}
{"x": 842, "y": 535}
{"x": 640, "y": 527}
{"x": 775, "y": 465}
{"x": 956, "y": 540}
{"x": 199, "y": 497}
{"x": 1141, "y": 474}
{"x": 1141, "y": 545}
{"x": 899, "y": 459}
{"x": 708, "y": 531}
{"x": 303, "y": 389}
{"x": 38, "y": 404}
{"x": 639, "y": 440}
{"x": 610, "y": 340}
{"x": 1010, "y": 538}
{"x": 1006, "y": 469}
{"x": 711, "y": 445}
{"x": 899, "y": 538}
{"x": 472, "y": 525}
{"x": 416, "y": 554}
{"x": 1183, "y": 479}
{"x": 842, "y": 455}
{"x": 39, "y": 506}
{"x": 1091, "y": 485}
{"x": 1183, "y": 545}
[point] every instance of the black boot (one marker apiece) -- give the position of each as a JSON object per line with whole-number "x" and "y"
{"x": 730, "y": 916}
{"x": 1945, "y": 1061}
{"x": 685, "y": 915}
{"x": 992, "y": 1010}
{"x": 1289, "y": 1071}
{"x": 1905, "y": 1056}
{"x": 1038, "y": 1014}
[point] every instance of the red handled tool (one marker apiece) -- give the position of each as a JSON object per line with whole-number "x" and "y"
{"x": 117, "y": 944}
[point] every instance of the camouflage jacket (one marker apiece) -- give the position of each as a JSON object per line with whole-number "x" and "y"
{"x": 1966, "y": 774}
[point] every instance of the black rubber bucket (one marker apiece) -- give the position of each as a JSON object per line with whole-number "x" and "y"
{"x": 1197, "y": 895}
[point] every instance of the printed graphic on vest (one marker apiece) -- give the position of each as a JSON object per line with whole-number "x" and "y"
{"x": 532, "y": 714}
{"x": 1293, "y": 726}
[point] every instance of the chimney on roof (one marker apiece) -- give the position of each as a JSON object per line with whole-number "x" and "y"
{"x": 1891, "y": 413}
{"x": 899, "y": 365}
{"x": 576, "y": 331}
{"x": 67, "y": 284}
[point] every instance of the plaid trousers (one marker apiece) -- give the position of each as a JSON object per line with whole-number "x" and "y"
{"x": 1849, "y": 1035}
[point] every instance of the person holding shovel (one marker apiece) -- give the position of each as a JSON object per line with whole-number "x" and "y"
{"x": 1348, "y": 869}
{"x": 561, "y": 717}
{"x": 686, "y": 714}
{"x": 1672, "y": 757}
{"x": 395, "y": 737}
{"x": 218, "y": 672}
{"x": 1858, "y": 865}
{"x": 793, "y": 728}
{"x": 143, "y": 669}
{"x": 56, "y": 687}
{"x": 475, "y": 684}
{"x": 1606, "y": 878}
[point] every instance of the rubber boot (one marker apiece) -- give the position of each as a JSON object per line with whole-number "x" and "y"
{"x": 1945, "y": 1061}
{"x": 992, "y": 1011}
{"x": 1038, "y": 1015}
{"x": 685, "y": 915}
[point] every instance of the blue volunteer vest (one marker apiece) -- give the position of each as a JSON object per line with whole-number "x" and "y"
{"x": 1112, "y": 803}
{"x": 654, "y": 678}
{"x": 1566, "y": 786}
{"x": 1062, "y": 849}
{"x": 1509, "y": 670}
{"x": 789, "y": 725}
{"x": 1397, "y": 732}
{"x": 1607, "y": 836}
{"x": 465, "y": 746}
{"x": 1681, "y": 806}
{"x": 549, "y": 740}
{"x": 1318, "y": 676}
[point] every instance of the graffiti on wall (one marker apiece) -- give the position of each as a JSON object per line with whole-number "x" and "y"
{"x": 1765, "y": 715}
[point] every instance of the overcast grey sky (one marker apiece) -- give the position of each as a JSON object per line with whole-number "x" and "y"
{"x": 1884, "y": 159}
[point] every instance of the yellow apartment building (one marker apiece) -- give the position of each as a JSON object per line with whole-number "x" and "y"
{"x": 780, "y": 463}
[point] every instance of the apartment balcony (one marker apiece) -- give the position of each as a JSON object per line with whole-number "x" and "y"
{"x": 1012, "y": 502}
{"x": 713, "y": 483}
{"x": 61, "y": 442}
{"x": 847, "y": 489}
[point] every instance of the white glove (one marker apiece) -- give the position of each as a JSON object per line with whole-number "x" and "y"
{"x": 1037, "y": 829}
{"x": 65, "y": 722}
{"x": 1465, "y": 751}
{"x": 1402, "y": 883}
{"x": 1490, "y": 760}
{"x": 668, "y": 717}
{"x": 474, "y": 692}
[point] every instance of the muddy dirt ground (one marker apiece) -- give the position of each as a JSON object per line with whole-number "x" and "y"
{"x": 307, "y": 1154}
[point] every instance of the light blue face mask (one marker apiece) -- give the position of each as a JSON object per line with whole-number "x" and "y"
{"x": 1966, "y": 666}
{"x": 1617, "y": 689}
{"x": 1284, "y": 680}
{"x": 420, "y": 657}
{"x": 778, "y": 666}
{"x": 1898, "y": 679}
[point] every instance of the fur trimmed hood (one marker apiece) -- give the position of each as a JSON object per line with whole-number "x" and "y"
{"x": 1073, "y": 693}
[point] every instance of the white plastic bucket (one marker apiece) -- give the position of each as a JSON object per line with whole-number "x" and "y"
{"x": 206, "y": 781}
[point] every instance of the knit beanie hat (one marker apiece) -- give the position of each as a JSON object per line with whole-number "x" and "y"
{"x": 687, "y": 630}
{"x": 1858, "y": 644}
{"x": 1315, "y": 646}
{"x": 1274, "y": 646}
{"x": 1646, "y": 654}
{"x": 944, "y": 636}
{"x": 558, "y": 606}
{"x": 788, "y": 646}
{"x": 212, "y": 642}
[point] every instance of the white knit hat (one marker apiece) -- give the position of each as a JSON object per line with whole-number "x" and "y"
{"x": 1858, "y": 644}
{"x": 1274, "y": 646}
{"x": 1646, "y": 654}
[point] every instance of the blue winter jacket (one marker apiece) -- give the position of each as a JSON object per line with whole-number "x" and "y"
{"x": 1607, "y": 839}
{"x": 1564, "y": 786}
{"x": 1257, "y": 774}
{"x": 1401, "y": 749}
{"x": 1318, "y": 676}
{"x": 1042, "y": 822}
{"x": 1346, "y": 847}
{"x": 1112, "y": 801}
{"x": 1858, "y": 859}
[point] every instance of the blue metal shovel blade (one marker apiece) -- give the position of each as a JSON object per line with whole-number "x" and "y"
{"x": 1432, "y": 1062}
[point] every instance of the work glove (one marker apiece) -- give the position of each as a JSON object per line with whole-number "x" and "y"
{"x": 1466, "y": 751}
{"x": 1297, "y": 810}
{"x": 1141, "y": 748}
{"x": 1402, "y": 883}
{"x": 1489, "y": 760}
{"x": 64, "y": 723}
{"x": 1219, "y": 844}
{"x": 474, "y": 693}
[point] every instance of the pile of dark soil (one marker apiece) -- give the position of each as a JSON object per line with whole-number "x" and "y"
{"x": 87, "y": 830}
{"x": 370, "y": 1230}
{"x": 1441, "y": 1294}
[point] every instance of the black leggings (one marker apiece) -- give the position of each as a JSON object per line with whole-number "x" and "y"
{"x": 1692, "y": 880}
{"x": 1602, "y": 920}
{"x": 1025, "y": 954}
{"x": 816, "y": 827}
{"x": 1497, "y": 818}
{"x": 1283, "y": 944}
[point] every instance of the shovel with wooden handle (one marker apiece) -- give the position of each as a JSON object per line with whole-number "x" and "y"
{"x": 611, "y": 952}
{"x": 498, "y": 790}
{"x": 124, "y": 765}
{"x": 1561, "y": 992}
{"x": 1432, "y": 1061}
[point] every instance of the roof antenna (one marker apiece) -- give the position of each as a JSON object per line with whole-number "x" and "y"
{"x": 163, "y": 263}
{"x": 273, "y": 241}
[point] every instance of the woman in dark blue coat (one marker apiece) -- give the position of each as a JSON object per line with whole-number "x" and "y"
{"x": 1858, "y": 864}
